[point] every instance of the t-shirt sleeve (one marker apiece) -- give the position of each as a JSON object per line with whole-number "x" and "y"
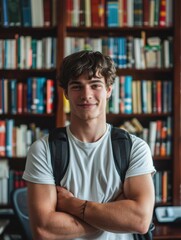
{"x": 141, "y": 161}
{"x": 38, "y": 167}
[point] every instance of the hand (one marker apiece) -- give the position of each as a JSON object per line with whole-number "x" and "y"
{"x": 63, "y": 197}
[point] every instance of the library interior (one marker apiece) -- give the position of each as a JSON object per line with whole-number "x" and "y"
{"x": 143, "y": 38}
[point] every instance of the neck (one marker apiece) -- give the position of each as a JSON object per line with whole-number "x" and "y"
{"x": 88, "y": 131}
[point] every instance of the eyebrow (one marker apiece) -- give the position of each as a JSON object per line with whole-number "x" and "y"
{"x": 90, "y": 81}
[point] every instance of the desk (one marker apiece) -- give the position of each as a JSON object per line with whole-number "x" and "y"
{"x": 167, "y": 232}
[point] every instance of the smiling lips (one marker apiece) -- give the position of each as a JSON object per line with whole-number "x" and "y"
{"x": 87, "y": 105}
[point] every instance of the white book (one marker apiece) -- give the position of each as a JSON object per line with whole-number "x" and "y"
{"x": 97, "y": 44}
{"x": 4, "y": 174}
{"x": 130, "y": 13}
{"x": 37, "y": 13}
{"x": 88, "y": 13}
{"x": 166, "y": 56}
{"x": 137, "y": 53}
{"x": 152, "y": 136}
{"x": 6, "y": 96}
{"x": 22, "y": 52}
{"x": 76, "y": 12}
{"x": 23, "y": 133}
{"x": 115, "y": 96}
{"x": 47, "y": 52}
{"x": 28, "y": 52}
{"x": 39, "y": 57}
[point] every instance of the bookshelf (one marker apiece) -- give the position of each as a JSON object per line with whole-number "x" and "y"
{"x": 32, "y": 71}
{"x": 58, "y": 117}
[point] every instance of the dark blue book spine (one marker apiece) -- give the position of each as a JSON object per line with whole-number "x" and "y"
{"x": 5, "y": 13}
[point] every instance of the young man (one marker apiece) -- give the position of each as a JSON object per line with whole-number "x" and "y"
{"x": 91, "y": 202}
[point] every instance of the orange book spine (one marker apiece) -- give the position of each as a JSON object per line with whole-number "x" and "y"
{"x": 162, "y": 19}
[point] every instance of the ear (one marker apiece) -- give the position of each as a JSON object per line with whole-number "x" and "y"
{"x": 109, "y": 91}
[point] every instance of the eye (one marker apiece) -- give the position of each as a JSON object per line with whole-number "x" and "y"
{"x": 76, "y": 87}
{"x": 96, "y": 86}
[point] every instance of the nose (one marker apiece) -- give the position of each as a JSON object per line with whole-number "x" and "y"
{"x": 86, "y": 93}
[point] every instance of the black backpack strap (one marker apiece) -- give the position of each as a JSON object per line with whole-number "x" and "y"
{"x": 121, "y": 145}
{"x": 59, "y": 152}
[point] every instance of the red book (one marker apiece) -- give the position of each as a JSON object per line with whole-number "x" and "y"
{"x": 20, "y": 97}
{"x": 49, "y": 96}
{"x": 69, "y": 9}
{"x": 2, "y": 138}
{"x": 159, "y": 96}
{"x": 162, "y": 19}
{"x": 98, "y": 13}
{"x": 145, "y": 12}
{"x": 25, "y": 110}
{"x": 47, "y": 11}
{"x": 125, "y": 22}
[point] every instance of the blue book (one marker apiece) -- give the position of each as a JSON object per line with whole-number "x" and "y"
{"x": 144, "y": 96}
{"x": 112, "y": 13}
{"x": 29, "y": 94}
{"x": 13, "y": 84}
{"x": 128, "y": 95}
{"x": 34, "y": 52}
{"x": 9, "y": 137}
{"x": 5, "y": 13}
{"x": 26, "y": 13}
{"x": 41, "y": 90}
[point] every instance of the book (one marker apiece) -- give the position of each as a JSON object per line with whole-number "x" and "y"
{"x": 146, "y": 12}
{"x": 47, "y": 13}
{"x": 26, "y": 13}
{"x": 128, "y": 95}
{"x": 97, "y": 13}
{"x": 14, "y": 12}
{"x": 9, "y": 137}
{"x": 162, "y": 17}
{"x": 130, "y": 13}
{"x": 112, "y": 13}
{"x": 2, "y": 138}
{"x": 5, "y": 13}
{"x": 49, "y": 96}
{"x": 138, "y": 13}
{"x": 152, "y": 136}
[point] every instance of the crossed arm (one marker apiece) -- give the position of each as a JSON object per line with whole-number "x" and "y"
{"x": 57, "y": 214}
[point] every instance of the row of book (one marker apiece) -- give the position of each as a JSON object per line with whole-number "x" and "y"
{"x": 119, "y": 13}
{"x": 24, "y": 52}
{"x": 131, "y": 96}
{"x": 158, "y": 134}
{"x": 9, "y": 181}
{"x": 28, "y": 13}
{"x": 16, "y": 140}
{"x": 140, "y": 96}
{"x": 163, "y": 187}
{"x": 128, "y": 52}
{"x": 33, "y": 95}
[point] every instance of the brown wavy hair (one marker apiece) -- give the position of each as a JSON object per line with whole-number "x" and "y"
{"x": 90, "y": 62}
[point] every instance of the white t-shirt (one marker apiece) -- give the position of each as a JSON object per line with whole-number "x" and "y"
{"x": 91, "y": 173}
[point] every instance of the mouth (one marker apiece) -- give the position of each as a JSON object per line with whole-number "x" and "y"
{"x": 87, "y": 105}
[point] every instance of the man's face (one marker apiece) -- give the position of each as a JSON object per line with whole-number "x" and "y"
{"x": 88, "y": 98}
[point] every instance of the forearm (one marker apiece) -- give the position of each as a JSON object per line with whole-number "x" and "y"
{"x": 58, "y": 225}
{"x": 119, "y": 216}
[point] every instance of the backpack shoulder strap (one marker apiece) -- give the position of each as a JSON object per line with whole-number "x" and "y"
{"x": 59, "y": 152}
{"x": 121, "y": 145}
